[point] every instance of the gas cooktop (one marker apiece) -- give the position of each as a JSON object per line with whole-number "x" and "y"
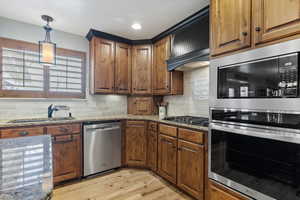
{"x": 197, "y": 121}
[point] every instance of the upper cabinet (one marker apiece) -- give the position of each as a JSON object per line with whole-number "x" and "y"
{"x": 119, "y": 68}
{"x": 165, "y": 82}
{"x": 110, "y": 66}
{"x": 123, "y": 69}
{"x": 141, "y": 69}
{"x": 102, "y": 65}
{"x": 270, "y": 22}
{"x": 230, "y": 25}
{"x": 274, "y": 20}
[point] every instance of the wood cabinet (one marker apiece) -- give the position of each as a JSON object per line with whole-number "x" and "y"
{"x": 143, "y": 105}
{"x": 230, "y": 25}
{"x": 110, "y": 67}
{"x": 67, "y": 151}
{"x": 152, "y": 146}
{"x": 102, "y": 59}
{"x": 167, "y": 157}
{"x": 165, "y": 82}
{"x": 274, "y": 20}
{"x": 217, "y": 192}
{"x": 66, "y": 157}
{"x": 190, "y": 174}
{"x": 142, "y": 69}
{"x": 123, "y": 69}
{"x": 136, "y": 143}
{"x": 246, "y": 24}
{"x": 21, "y": 132}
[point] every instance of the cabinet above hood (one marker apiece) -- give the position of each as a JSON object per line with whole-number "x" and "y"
{"x": 190, "y": 44}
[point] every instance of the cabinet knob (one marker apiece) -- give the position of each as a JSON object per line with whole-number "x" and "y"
{"x": 245, "y": 33}
{"x": 257, "y": 29}
{"x": 179, "y": 149}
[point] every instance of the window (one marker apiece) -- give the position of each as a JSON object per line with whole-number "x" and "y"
{"x": 21, "y": 74}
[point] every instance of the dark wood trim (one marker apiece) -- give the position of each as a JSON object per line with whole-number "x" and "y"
{"x": 189, "y": 20}
{"x": 141, "y": 42}
{"x": 108, "y": 36}
{"x": 186, "y": 22}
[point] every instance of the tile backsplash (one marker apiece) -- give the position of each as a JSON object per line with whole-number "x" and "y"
{"x": 196, "y": 92}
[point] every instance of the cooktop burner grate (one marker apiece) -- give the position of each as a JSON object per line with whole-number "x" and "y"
{"x": 197, "y": 121}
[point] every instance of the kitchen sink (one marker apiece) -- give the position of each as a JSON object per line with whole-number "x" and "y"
{"x": 40, "y": 120}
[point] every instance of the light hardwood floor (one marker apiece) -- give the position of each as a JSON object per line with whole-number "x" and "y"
{"x": 126, "y": 184}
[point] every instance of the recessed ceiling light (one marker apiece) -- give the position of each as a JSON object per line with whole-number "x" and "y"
{"x": 136, "y": 26}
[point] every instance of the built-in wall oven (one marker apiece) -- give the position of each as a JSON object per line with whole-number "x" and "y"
{"x": 256, "y": 152}
{"x": 254, "y": 133}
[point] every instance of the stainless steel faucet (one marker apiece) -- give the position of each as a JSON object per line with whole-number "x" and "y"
{"x": 52, "y": 108}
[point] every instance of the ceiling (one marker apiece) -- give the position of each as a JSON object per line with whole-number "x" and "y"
{"x": 111, "y": 16}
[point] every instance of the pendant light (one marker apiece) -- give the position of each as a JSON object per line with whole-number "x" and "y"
{"x": 47, "y": 49}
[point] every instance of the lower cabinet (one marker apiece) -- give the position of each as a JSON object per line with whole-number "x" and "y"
{"x": 152, "y": 150}
{"x": 217, "y": 192}
{"x": 136, "y": 143}
{"x": 66, "y": 151}
{"x": 190, "y": 173}
{"x": 66, "y": 157}
{"x": 167, "y": 157}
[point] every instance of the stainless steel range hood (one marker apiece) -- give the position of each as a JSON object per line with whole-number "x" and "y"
{"x": 190, "y": 44}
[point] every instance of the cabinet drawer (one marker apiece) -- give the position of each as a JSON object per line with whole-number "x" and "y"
{"x": 191, "y": 136}
{"x": 20, "y": 132}
{"x": 64, "y": 129}
{"x": 135, "y": 123}
{"x": 152, "y": 126}
{"x": 168, "y": 130}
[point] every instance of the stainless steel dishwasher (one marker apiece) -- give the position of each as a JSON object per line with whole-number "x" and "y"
{"x": 102, "y": 147}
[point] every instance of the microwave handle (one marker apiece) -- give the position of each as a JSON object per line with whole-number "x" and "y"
{"x": 279, "y": 135}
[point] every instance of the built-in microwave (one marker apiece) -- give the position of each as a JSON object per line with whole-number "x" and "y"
{"x": 274, "y": 77}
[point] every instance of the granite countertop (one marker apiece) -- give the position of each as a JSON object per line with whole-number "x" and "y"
{"x": 6, "y": 124}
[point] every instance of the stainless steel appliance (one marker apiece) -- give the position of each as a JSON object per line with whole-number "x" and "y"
{"x": 256, "y": 153}
{"x": 265, "y": 78}
{"x": 274, "y": 77}
{"x": 102, "y": 147}
{"x": 197, "y": 121}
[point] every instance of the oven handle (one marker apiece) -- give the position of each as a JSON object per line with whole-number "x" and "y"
{"x": 285, "y": 136}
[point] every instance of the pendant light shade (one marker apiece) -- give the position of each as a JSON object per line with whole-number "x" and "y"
{"x": 47, "y": 49}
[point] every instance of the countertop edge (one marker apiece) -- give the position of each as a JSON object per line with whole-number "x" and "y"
{"x": 4, "y": 125}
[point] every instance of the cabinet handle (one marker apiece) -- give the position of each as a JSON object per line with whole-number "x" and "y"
{"x": 257, "y": 29}
{"x": 63, "y": 139}
{"x": 245, "y": 33}
{"x": 179, "y": 149}
{"x": 23, "y": 133}
{"x": 63, "y": 129}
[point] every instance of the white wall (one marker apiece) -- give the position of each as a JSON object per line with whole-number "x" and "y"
{"x": 28, "y": 108}
{"x": 195, "y": 99}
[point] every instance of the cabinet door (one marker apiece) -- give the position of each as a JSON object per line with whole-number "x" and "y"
{"x": 161, "y": 76}
{"x": 190, "y": 176}
{"x": 136, "y": 143}
{"x": 167, "y": 157}
{"x": 103, "y": 62}
{"x": 230, "y": 25}
{"x": 152, "y": 150}
{"x": 66, "y": 157}
{"x": 275, "y": 19}
{"x": 142, "y": 69}
{"x": 123, "y": 69}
